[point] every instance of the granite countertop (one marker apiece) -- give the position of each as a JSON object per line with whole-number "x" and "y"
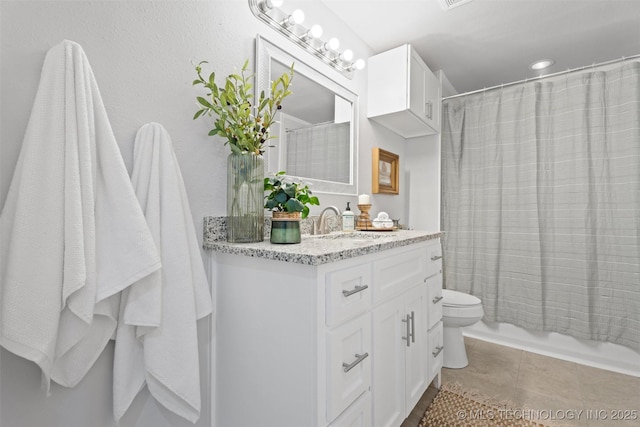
{"x": 316, "y": 250}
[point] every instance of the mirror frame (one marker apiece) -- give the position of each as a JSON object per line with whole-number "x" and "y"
{"x": 266, "y": 51}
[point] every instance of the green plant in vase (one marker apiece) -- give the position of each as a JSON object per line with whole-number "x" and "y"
{"x": 289, "y": 200}
{"x": 287, "y": 195}
{"x": 245, "y": 127}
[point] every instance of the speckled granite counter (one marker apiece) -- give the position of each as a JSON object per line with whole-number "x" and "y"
{"x": 316, "y": 250}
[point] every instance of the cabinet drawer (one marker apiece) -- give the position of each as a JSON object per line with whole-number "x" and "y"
{"x": 358, "y": 415}
{"x": 349, "y": 364}
{"x": 434, "y": 298}
{"x": 435, "y": 355}
{"x": 397, "y": 273}
{"x": 434, "y": 256}
{"x": 348, "y": 293}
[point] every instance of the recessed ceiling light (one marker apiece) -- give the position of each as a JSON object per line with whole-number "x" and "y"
{"x": 542, "y": 64}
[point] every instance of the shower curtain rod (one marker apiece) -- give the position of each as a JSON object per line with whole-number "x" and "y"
{"x": 559, "y": 73}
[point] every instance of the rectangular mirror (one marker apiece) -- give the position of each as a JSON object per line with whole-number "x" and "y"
{"x": 316, "y": 137}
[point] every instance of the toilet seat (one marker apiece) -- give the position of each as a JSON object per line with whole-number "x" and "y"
{"x": 465, "y": 312}
{"x": 457, "y": 299}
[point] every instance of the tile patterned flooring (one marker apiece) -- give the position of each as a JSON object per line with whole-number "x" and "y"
{"x": 544, "y": 383}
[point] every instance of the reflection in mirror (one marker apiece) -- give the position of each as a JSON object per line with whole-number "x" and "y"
{"x": 316, "y": 135}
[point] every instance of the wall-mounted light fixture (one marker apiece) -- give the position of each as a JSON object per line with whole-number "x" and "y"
{"x": 290, "y": 24}
{"x": 542, "y": 64}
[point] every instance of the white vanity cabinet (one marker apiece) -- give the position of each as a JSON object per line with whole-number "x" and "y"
{"x": 321, "y": 345}
{"x": 403, "y": 94}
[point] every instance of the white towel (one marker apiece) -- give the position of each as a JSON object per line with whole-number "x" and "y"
{"x": 156, "y": 341}
{"x": 73, "y": 233}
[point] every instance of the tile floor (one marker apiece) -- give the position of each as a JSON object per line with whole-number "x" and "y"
{"x": 544, "y": 383}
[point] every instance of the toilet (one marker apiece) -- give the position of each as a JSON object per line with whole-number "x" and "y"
{"x": 458, "y": 310}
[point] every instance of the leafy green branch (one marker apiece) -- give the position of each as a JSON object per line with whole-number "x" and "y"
{"x": 244, "y": 125}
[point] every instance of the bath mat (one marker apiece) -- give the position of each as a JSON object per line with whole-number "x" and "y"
{"x": 454, "y": 406}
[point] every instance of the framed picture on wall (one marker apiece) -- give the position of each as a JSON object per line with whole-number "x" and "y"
{"x": 385, "y": 169}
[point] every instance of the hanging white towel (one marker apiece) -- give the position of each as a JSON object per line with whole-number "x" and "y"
{"x": 73, "y": 233}
{"x": 156, "y": 341}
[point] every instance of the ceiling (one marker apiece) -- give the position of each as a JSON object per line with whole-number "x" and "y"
{"x": 484, "y": 43}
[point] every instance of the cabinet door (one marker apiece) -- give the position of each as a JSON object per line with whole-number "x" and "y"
{"x": 349, "y": 364}
{"x": 388, "y": 363}
{"x": 417, "y": 90}
{"x": 416, "y": 360}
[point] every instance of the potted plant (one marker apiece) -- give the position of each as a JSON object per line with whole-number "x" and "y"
{"x": 288, "y": 199}
{"x": 245, "y": 126}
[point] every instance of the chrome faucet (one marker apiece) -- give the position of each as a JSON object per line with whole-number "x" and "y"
{"x": 320, "y": 226}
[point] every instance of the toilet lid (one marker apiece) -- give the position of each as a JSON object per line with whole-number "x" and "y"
{"x": 460, "y": 299}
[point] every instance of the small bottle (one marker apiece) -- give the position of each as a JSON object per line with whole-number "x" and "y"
{"x": 348, "y": 219}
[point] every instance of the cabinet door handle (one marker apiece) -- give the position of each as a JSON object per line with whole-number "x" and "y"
{"x": 436, "y": 257}
{"x": 413, "y": 327}
{"x": 359, "y": 358}
{"x": 438, "y": 351}
{"x": 437, "y": 299}
{"x": 429, "y": 110}
{"x": 407, "y": 320}
{"x": 354, "y": 290}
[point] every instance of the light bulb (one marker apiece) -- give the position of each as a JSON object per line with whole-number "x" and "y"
{"x": 298, "y": 16}
{"x": 359, "y": 64}
{"x": 332, "y": 44}
{"x": 347, "y": 55}
{"x": 267, "y": 5}
{"x": 315, "y": 31}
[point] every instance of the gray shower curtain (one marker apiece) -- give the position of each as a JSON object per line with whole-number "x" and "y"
{"x": 541, "y": 203}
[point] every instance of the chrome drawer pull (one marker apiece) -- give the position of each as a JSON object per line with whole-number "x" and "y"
{"x": 413, "y": 327}
{"x": 407, "y": 320}
{"x": 437, "y": 299}
{"x": 438, "y": 351}
{"x": 354, "y": 290}
{"x": 436, "y": 257}
{"x": 359, "y": 358}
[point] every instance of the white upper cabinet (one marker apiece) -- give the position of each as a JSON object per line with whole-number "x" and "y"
{"x": 403, "y": 94}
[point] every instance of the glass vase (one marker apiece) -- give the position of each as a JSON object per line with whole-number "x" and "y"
{"x": 245, "y": 198}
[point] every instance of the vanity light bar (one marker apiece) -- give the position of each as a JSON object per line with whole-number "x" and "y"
{"x": 291, "y": 26}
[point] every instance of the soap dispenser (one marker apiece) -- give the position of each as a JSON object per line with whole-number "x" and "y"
{"x": 348, "y": 219}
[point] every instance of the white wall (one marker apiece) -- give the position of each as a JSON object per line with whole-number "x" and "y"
{"x": 141, "y": 53}
{"x": 423, "y": 170}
